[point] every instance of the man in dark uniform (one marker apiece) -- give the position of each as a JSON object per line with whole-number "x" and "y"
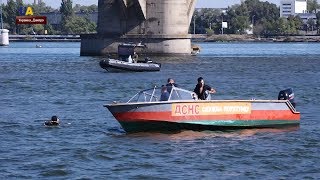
{"x": 170, "y": 84}
{"x": 201, "y": 89}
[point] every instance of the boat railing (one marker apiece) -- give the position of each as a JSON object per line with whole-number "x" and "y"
{"x": 208, "y": 95}
{"x": 147, "y": 95}
{"x": 153, "y": 95}
{"x": 181, "y": 94}
{"x": 154, "y": 89}
{"x": 291, "y": 107}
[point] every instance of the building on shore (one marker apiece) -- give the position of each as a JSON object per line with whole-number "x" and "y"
{"x": 292, "y": 7}
{"x": 297, "y": 8}
{"x": 306, "y": 16}
{"x": 4, "y": 37}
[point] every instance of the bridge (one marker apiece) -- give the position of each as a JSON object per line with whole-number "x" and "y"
{"x": 162, "y": 25}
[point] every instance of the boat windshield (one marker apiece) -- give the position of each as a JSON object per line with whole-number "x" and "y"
{"x": 155, "y": 95}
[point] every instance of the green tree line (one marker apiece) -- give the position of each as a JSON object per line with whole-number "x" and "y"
{"x": 260, "y": 16}
{"x": 70, "y": 23}
{"x": 264, "y": 16}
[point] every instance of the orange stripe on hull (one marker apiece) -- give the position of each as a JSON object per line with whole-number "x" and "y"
{"x": 166, "y": 116}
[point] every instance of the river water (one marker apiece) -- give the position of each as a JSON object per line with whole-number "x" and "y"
{"x": 36, "y": 83}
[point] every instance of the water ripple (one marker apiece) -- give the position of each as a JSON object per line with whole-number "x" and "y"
{"x": 90, "y": 143}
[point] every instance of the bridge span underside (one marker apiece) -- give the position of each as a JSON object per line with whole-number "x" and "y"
{"x": 162, "y": 25}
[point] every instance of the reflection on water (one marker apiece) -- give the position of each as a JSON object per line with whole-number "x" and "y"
{"x": 193, "y": 135}
{"x": 251, "y": 132}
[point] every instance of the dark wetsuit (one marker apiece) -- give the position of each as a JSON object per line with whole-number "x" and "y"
{"x": 169, "y": 86}
{"x": 202, "y": 95}
{"x": 164, "y": 96}
{"x": 51, "y": 123}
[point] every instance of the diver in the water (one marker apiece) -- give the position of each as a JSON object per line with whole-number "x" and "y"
{"x": 53, "y": 122}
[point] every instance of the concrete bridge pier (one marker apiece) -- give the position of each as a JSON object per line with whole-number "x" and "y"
{"x": 161, "y": 25}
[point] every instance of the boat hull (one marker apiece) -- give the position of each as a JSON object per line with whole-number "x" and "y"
{"x": 161, "y": 126}
{"x": 202, "y": 115}
{"x": 114, "y": 65}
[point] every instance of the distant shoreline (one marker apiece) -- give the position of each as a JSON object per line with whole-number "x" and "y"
{"x": 252, "y": 38}
{"x": 44, "y": 38}
{"x": 195, "y": 38}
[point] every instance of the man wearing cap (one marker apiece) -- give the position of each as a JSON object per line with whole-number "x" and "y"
{"x": 201, "y": 89}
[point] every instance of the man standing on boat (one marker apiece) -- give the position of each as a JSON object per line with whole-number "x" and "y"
{"x": 201, "y": 89}
{"x": 130, "y": 59}
{"x": 170, "y": 84}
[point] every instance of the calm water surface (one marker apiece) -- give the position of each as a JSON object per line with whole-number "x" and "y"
{"x": 36, "y": 83}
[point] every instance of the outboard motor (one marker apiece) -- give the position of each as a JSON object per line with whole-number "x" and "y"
{"x": 287, "y": 94}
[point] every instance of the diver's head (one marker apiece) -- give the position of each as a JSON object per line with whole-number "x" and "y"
{"x": 54, "y": 118}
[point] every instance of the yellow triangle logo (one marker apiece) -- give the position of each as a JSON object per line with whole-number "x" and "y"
{"x": 29, "y": 11}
